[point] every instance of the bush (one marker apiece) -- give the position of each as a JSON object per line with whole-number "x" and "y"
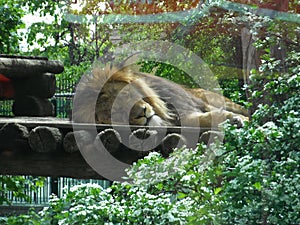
{"x": 119, "y": 204}
{"x": 15, "y": 185}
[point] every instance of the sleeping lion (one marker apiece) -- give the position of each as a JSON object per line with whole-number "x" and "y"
{"x": 125, "y": 96}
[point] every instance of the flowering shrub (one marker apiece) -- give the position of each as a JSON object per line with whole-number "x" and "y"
{"x": 119, "y": 204}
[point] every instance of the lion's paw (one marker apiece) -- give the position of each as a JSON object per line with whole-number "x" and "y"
{"x": 238, "y": 120}
{"x": 170, "y": 142}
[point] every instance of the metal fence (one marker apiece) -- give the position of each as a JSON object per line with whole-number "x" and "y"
{"x": 6, "y": 108}
{"x": 57, "y": 186}
{"x": 62, "y": 104}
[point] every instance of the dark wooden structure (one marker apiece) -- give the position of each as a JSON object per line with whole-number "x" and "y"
{"x": 34, "y": 143}
{"x": 45, "y": 146}
{"x": 30, "y": 82}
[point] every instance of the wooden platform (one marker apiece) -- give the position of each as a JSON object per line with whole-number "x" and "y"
{"x": 37, "y": 121}
{"x": 63, "y": 123}
{"x": 62, "y": 162}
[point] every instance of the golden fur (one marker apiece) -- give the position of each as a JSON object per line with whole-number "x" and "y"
{"x": 124, "y": 96}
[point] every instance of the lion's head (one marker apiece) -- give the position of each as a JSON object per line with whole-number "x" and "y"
{"x": 122, "y": 98}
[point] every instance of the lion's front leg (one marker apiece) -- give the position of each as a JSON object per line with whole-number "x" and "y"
{"x": 212, "y": 119}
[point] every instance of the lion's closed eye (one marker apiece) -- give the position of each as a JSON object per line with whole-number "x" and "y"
{"x": 141, "y": 112}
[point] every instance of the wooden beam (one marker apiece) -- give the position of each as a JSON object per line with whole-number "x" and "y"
{"x": 59, "y": 164}
{"x": 32, "y": 106}
{"x": 23, "y": 67}
{"x": 65, "y": 123}
{"x": 37, "y": 121}
{"x": 46, "y": 146}
{"x": 42, "y": 86}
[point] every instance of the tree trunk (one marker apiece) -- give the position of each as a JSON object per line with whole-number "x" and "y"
{"x": 251, "y": 55}
{"x": 72, "y": 44}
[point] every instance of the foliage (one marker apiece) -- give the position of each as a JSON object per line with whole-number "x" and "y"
{"x": 281, "y": 92}
{"x": 70, "y": 77}
{"x": 167, "y": 71}
{"x": 119, "y": 204}
{"x": 254, "y": 178}
{"x": 16, "y": 186}
{"x": 10, "y": 22}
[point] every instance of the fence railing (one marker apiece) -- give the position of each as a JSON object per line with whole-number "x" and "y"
{"x": 6, "y": 108}
{"x": 63, "y": 104}
{"x": 57, "y": 186}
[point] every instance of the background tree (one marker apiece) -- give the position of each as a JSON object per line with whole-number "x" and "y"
{"x": 10, "y": 22}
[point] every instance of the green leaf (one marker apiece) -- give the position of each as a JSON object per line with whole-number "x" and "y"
{"x": 217, "y": 190}
{"x": 181, "y": 195}
{"x": 258, "y": 186}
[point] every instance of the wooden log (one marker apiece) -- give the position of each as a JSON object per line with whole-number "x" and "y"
{"x": 42, "y": 86}
{"x": 72, "y": 144}
{"x": 45, "y": 139}
{"x": 32, "y": 106}
{"x": 110, "y": 139}
{"x": 14, "y": 137}
{"x": 22, "y": 67}
{"x": 170, "y": 142}
{"x": 23, "y": 57}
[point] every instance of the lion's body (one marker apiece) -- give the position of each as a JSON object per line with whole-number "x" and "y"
{"x": 128, "y": 97}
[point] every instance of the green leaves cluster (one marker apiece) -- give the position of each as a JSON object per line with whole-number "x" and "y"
{"x": 14, "y": 186}
{"x": 254, "y": 177}
{"x": 119, "y": 204}
{"x": 10, "y": 22}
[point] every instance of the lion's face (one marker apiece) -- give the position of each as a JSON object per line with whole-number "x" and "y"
{"x": 120, "y": 103}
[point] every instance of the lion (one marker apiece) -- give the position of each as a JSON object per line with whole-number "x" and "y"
{"x": 128, "y": 97}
